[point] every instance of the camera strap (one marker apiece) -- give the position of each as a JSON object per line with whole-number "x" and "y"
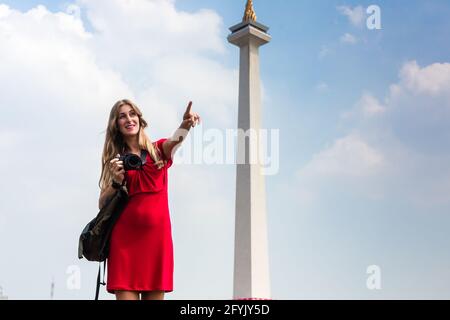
{"x": 144, "y": 156}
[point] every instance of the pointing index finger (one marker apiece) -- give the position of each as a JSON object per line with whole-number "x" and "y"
{"x": 188, "y": 109}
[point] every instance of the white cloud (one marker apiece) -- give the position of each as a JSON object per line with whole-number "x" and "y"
{"x": 322, "y": 87}
{"x": 348, "y": 38}
{"x": 398, "y": 148}
{"x": 324, "y": 51}
{"x": 432, "y": 80}
{"x": 10, "y": 138}
{"x": 348, "y": 156}
{"x": 47, "y": 55}
{"x": 4, "y": 11}
{"x": 418, "y": 107}
{"x": 368, "y": 106}
{"x": 147, "y": 29}
{"x": 355, "y": 15}
{"x": 167, "y": 56}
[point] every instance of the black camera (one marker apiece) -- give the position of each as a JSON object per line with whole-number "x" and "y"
{"x": 131, "y": 161}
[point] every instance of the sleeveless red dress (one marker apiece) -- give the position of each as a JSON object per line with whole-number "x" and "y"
{"x": 141, "y": 249}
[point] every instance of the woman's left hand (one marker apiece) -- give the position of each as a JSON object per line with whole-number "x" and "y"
{"x": 190, "y": 118}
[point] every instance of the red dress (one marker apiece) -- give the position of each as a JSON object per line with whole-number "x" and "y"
{"x": 141, "y": 249}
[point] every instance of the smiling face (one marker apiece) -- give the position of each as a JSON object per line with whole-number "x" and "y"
{"x": 128, "y": 121}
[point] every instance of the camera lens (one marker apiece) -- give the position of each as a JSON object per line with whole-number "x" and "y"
{"x": 132, "y": 162}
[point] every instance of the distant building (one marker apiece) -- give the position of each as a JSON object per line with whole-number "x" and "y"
{"x": 2, "y": 297}
{"x": 52, "y": 289}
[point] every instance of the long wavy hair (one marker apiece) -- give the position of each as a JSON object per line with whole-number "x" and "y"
{"x": 115, "y": 144}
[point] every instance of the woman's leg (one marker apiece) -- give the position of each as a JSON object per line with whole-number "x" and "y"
{"x": 152, "y": 295}
{"x": 127, "y": 295}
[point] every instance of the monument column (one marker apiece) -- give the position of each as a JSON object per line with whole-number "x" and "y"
{"x": 251, "y": 262}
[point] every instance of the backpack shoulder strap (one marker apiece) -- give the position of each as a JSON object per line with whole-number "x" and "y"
{"x": 97, "y": 289}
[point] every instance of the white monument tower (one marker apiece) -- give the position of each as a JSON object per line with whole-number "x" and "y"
{"x": 251, "y": 261}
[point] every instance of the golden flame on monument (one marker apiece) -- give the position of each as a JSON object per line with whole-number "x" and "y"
{"x": 250, "y": 14}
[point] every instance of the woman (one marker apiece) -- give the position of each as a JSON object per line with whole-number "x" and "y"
{"x": 140, "y": 261}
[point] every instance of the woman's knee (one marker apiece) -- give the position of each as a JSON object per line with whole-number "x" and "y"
{"x": 153, "y": 295}
{"x": 127, "y": 295}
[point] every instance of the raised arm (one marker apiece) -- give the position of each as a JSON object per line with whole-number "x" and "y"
{"x": 190, "y": 120}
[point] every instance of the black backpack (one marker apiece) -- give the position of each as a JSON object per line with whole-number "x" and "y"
{"x": 94, "y": 239}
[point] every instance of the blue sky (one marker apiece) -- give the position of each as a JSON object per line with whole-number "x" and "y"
{"x": 364, "y": 153}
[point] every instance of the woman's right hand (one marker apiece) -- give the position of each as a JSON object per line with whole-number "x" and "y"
{"x": 117, "y": 170}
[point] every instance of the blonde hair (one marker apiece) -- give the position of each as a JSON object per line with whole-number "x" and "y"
{"x": 115, "y": 144}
